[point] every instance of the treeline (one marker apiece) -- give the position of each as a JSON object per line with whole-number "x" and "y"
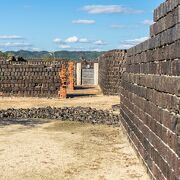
{"x": 4, "y": 55}
{"x": 74, "y": 55}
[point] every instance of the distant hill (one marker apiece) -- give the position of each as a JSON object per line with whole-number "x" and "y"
{"x": 74, "y": 55}
{"x": 2, "y": 54}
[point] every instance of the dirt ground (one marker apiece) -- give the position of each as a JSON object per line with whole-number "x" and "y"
{"x": 99, "y": 102}
{"x": 56, "y": 150}
{"x": 59, "y": 150}
{"x": 82, "y": 96}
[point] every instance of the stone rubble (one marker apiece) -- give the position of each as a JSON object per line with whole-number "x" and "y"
{"x": 82, "y": 114}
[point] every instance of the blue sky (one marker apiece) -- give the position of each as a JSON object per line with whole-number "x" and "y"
{"x": 74, "y": 24}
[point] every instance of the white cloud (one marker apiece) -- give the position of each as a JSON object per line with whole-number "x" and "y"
{"x": 147, "y": 22}
{"x": 130, "y": 43}
{"x": 84, "y": 40}
{"x": 100, "y": 42}
{"x": 83, "y": 21}
{"x": 64, "y": 46}
{"x": 15, "y": 45}
{"x": 36, "y": 49}
{"x": 14, "y": 42}
{"x": 57, "y": 40}
{"x": 117, "y": 26}
{"x": 137, "y": 40}
{"x": 73, "y": 39}
{"x": 10, "y": 37}
{"x": 76, "y": 40}
{"x": 108, "y": 9}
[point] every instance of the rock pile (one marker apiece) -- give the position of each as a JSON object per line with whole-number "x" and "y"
{"x": 82, "y": 114}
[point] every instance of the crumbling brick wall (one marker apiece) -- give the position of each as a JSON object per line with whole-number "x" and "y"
{"x": 32, "y": 78}
{"x": 150, "y": 94}
{"x": 110, "y": 71}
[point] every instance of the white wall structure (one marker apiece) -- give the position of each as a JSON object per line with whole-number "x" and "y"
{"x": 96, "y": 72}
{"x": 79, "y": 74}
{"x": 87, "y": 76}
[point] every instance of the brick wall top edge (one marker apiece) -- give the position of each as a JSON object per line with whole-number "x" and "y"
{"x": 169, "y": 20}
{"x": 113, "y": 52}
{"x": 31, "y": 63}
{"x": 165, "y": 8}
{"x": 162, "y": 39}
{"x": 139, "y": 48}
{"x": 43, "y": 60}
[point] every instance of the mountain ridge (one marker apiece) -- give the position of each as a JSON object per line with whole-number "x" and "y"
{"x": 74, "y": 55}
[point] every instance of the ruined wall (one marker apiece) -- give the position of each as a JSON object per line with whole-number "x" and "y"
{"x": 110, "y": 71}
{"x": 150, "y": 94}
{"x": 32, "y": 78}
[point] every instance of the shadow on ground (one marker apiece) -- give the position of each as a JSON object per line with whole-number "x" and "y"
{"x": 83, "y": 91}
{"x": 79, "y": 95}
{"x": 84, "y": 87}
{"x": 24, "y": 122}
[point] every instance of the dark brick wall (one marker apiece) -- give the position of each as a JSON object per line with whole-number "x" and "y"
{"x": 110, "y": 70}
{"x": 32, "y": 78}
{"x": 150, "y": 94}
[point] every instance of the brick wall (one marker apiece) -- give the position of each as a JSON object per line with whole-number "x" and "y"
{"x": 32, "y": 78}
{"x": 110, "y": 70}
{"x": 150, "y": 94}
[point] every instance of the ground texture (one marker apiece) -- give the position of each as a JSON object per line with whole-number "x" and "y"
{"x": 69, "y": 151}
{"x": 57, "y": 150}
{"x": 99, "y": 102}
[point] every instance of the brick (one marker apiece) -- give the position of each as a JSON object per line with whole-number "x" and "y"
{"x": 29, "y": 78}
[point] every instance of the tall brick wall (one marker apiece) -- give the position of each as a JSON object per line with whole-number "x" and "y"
{"x": 32, "y": 78}
{"x": 110, "y": 70}
{"x": 150, "y": 94}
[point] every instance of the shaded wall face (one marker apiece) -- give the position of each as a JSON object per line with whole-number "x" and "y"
{"x": 39, "y": 78}
{"x": 110, "y": 71}
{"x": 150, "y": 94}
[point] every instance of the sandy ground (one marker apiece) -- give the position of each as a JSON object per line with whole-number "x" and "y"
{"x": 99, "y": 102}
{"x": 59, "y": 150}
{"x": 56, "y": 150}
{"x": 82, "y": 96}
